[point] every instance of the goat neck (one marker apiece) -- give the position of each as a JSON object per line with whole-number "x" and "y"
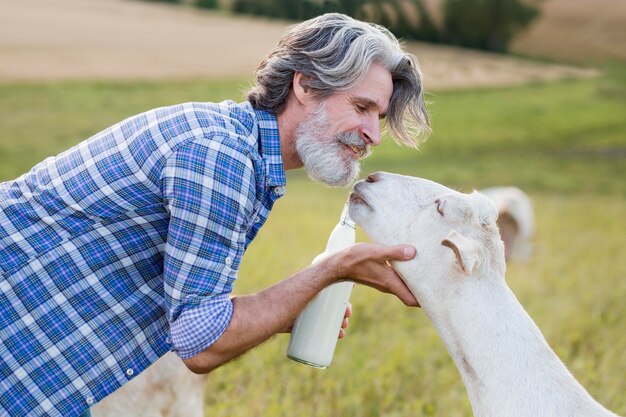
{"x": 505, "y": 362}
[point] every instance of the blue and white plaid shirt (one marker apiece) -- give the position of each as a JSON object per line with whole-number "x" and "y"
{"x": 126, "y": 246}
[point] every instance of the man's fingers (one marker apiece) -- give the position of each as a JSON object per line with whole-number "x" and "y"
{"x": 408, "y": 252}
{"x": 348, "y": 311}
{"x": 400, "y": 289}
{"x": 369, "y": 264}
{"x": 399, "y": 252}
{"x": 346, "y": 317}
{"x": 407, "y": 297}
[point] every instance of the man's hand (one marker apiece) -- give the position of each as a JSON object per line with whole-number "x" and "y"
{"x": 368, "y": 264}
{"x": 256, "y": 317}
{"x": 344, "y": 324}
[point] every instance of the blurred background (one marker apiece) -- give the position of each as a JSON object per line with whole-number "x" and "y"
{"x": 525, "y": 93}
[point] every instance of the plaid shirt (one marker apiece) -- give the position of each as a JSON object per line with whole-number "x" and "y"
{"x": 127, "y": 246}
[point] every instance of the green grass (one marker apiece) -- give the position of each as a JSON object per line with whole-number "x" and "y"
{"x": 564, "y": 143}
{"x": 566, "y": 136}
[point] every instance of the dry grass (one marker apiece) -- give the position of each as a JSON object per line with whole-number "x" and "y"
{"x": 126, "y": 40}
{"x": 581, "y": 31}
{"x": 577, "y": 31}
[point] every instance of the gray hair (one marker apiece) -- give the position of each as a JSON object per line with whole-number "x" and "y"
{"x": 334, "y": 52}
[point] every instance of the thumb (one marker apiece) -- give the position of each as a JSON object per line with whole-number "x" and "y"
{"x": 403, "y": 252}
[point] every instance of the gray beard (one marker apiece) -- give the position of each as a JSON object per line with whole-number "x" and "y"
{"x": 324, "y": 158}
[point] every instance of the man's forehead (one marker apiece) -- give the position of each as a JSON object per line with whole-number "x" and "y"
{"x": 375, "y": 89}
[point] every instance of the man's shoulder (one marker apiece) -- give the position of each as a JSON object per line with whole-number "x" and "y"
{"x": 227, "y": 122}
{"x": 225, "y": 132}
{"x": 238, "y": 118}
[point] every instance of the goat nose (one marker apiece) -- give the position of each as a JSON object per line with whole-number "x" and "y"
{"x": 373, "y": 177}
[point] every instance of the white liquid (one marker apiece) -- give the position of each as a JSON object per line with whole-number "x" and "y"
{"x": 315, "y": 332}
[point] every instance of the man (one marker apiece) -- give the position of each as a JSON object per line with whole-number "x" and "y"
{"x": 127, "y": 245}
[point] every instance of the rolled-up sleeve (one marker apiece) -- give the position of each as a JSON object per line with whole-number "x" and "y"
{"x": 198, "y": 327}
{"x": 208, "y": 188}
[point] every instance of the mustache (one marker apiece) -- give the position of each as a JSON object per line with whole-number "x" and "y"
{"x": 353, "y": 139}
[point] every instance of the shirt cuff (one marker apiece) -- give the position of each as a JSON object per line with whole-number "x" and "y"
{"x": 199, "y": 326}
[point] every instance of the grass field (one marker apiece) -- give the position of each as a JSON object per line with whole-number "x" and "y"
{"x": 564, "y": 143}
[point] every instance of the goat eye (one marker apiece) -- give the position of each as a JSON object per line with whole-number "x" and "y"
{"x": 440, "y": 205}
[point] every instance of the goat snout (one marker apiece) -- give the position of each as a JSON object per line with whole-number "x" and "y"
{"x": 358, "y": 187}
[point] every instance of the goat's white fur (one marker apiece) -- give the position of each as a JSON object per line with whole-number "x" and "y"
{"x": 458, "y": 277}
{"x": 165, "y": 389}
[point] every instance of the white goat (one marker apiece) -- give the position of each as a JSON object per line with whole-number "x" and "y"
{"x": 458, "y": 277}
{"x": 515, "y": 220}
{"x": 165, "y": 389}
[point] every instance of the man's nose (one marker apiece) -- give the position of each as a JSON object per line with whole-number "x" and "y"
{"x": 371, "y": 131}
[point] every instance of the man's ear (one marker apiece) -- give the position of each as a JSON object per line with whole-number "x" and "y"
{"x": 301, "y": 88}
{"x": 469, "y": 253}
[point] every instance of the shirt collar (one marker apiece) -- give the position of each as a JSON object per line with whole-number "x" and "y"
{"x": 269, "y": 141}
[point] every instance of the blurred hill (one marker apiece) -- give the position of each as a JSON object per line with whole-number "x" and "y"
{"x": 131, "y": 40}
{"x": 580, "y": 31}
{"x": 576, "y": 31}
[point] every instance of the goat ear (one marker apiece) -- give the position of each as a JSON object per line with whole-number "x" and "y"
{"x": 469, "y": 253}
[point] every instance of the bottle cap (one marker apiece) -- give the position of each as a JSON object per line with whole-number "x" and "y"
{"x": 345, "y": 219}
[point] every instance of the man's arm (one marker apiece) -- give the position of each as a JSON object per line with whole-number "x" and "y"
{"x": 259, "y": 316}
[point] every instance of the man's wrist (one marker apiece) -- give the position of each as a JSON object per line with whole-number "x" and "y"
{"x": 331, "y": 269}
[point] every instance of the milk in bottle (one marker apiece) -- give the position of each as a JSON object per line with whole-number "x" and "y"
{"x": 315, "y": 332}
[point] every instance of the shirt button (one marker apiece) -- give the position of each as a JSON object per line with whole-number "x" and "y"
{"x": 129, "y": 372}
{"x": 280, "y": 190}
{"x": 228, "y": 260}
{"x": 168, "y": 340}
{"x": 89, "y": 400}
